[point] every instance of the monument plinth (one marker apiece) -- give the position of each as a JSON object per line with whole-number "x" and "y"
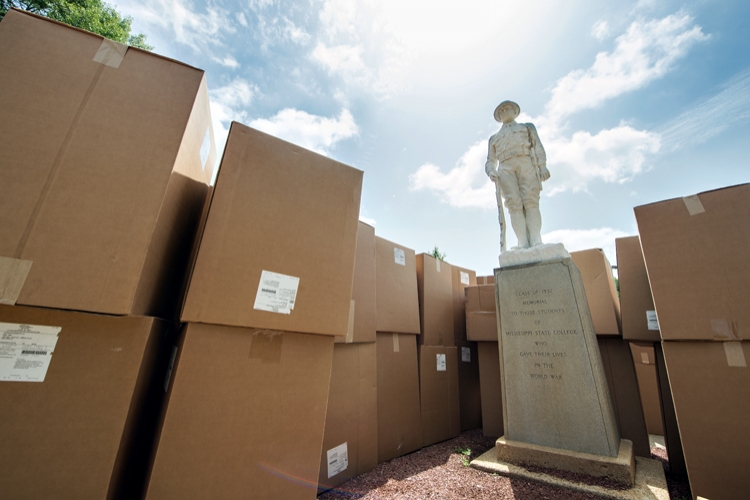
{"x": 557, "y": 411}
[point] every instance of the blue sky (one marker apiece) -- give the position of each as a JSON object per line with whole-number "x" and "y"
{"x": 635, "y": 102}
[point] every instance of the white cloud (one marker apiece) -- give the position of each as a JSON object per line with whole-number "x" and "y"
{"x": 644, "y": 53}
{"x": 711, "y": 117}
{"x": 600, "y": 30}
{"x": 229, "y": 103}
{"x": 584, "y": 239}
{"x": 345, "y": 59}
{"x": 241, "y": 18}
{"x": 466, "y": 185}
{"x": 317, "y": 133}
{"x": 199, "y": 30}
{"x": 228, "y": 61}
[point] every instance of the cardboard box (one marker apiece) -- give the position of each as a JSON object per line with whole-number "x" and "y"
{"x": 636, "y": 304}
{"x": 279, "y": 244}
{"x": 601, "y": 291}
{"x": 469, "y": 393}
{"x": 399, "y": 417}
{"x": 623, "y": 389}
{"x": 461, "y": 279}
{"x": 350, "y": 442}
{"x": 105, "y": 170}
{"x": 648, "y": 385}
{"x": 364, "y": 302}
{"x": 438, "y": 390}
{"x": 486, "y": 280}
{"x": 397, "y": 296}
{"x": 246, "y": 414}
{"x": 492, "y": 392}
{"x": 672, "y": 440}
{"x": 695, "y": 250}
{"x": 435, "y": 292}
{"x": 85, "y": 428}
{"x": 711, "y": 390}
{"x": 481, "y": 316}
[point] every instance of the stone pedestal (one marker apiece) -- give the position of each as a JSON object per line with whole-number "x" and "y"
{"x": 556, "y": 400}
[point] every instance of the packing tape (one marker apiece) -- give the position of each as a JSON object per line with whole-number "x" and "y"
{"x": 644, "y": 358}
{"x": 735, "y": 355}
{"x": 266, "y": 346}
{"x": 725, "y": 330}
{"x": 110, "y": 53}
{"x": 13, "y": 273}
{"x": 395, "y": 342}
{"x": 350, "y": 327}
{"x": 693, "y": 205}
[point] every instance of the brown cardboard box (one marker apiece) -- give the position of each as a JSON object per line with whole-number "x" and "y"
{"x": 350, "y": 442}
{"x": 486, "y": 280}
{"x": 469, "y": 393}
{"x": 481, "y": 317}
{"x": 364, "y": 304}
{"x": 601, "y": 292}
{"x": 438, "y": 390}
{"x": 489, "y": 383}
{"x": 711, "y": 391}
{"x": 399, "y": 418}
{"x": 246, "y": 414}
{"x": 623, "y": 388}
{"x": 636, "y": 303}
{"x": 648, "y": 385}
{"x": 435, "y": 292}
{"x": 695, "y": 250}
{"x": 87, "y": 429}
{"x": 397, "y": 296}
{"x": 461, "y": 279}
{"x": 279, "y": 244}
{"x": 672, "y": 440}
{"x": 105, "y": 170}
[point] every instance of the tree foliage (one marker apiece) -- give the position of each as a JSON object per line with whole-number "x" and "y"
{"x": 438, "y": 254}
{"x": 92, "y": 15}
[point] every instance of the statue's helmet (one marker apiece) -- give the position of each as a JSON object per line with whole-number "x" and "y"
{"x": 516, "y": 109}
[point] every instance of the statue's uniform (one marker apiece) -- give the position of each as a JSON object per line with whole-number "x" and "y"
{"x": 511, "y": 147}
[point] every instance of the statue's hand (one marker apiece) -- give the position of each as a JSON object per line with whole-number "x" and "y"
{"x": 544, "y": 173}
{"x": 493, "y": 175}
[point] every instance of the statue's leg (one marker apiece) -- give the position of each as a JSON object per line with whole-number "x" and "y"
{"x": 530, "y": 190}
{"x": 514, "y": 204}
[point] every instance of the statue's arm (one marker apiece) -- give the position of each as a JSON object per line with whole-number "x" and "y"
{"x": 539, "y": 153}
{"x": 490, "y": 167}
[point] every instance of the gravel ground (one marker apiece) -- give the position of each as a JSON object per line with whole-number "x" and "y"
{"x": 441, "y": 472}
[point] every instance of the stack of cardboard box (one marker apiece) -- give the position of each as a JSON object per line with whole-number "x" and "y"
{"x": 438, "y": 361}
{"x": 695, "y": 251}
{"x": 271, "y": 287}
{"x": 107, "y": 156}
{"x": 350, "y": 442}
{"x": 399, "y": 416}
{"x": 469, "y": 392}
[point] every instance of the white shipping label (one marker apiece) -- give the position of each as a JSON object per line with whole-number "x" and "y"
{"x": 437, "y": 264}
{"x": 276, "y": 292}
{"x": 26, "y": 351}
{"x": 653, "y": 323}
{"x": 441, "y": 362}
{"x": 338, "y": 460}
{"x": 465, "y": 278}
{"x": 466, "y": 355}
{"x": 399, "y": 256}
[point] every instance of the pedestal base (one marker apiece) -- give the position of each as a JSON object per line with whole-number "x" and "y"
{"x": 650, "y": 482}
{"x": 619, "y": 469}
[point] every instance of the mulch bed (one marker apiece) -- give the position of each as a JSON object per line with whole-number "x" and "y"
{"x": 441, "y": 472}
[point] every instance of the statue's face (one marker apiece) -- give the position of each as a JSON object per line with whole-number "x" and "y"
{"x": 507, "y": 113}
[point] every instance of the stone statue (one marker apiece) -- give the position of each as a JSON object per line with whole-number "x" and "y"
{"x": 517, "y": 164}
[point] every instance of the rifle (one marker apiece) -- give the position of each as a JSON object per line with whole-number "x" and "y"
{"x": 499, "y": 195}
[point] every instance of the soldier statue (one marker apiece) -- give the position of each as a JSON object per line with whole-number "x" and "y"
{"x": 517, "y": 164}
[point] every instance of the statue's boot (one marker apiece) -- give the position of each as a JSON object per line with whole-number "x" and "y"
{"x": 518, "y": 221}
{"x": 534, "y": 225}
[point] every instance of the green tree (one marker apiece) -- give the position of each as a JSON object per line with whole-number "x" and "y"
{"x": 92, "y": 15}
{"x": 437, "y": 253}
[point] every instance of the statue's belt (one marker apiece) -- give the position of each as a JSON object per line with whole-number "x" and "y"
{"x": 508, "y": 153}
